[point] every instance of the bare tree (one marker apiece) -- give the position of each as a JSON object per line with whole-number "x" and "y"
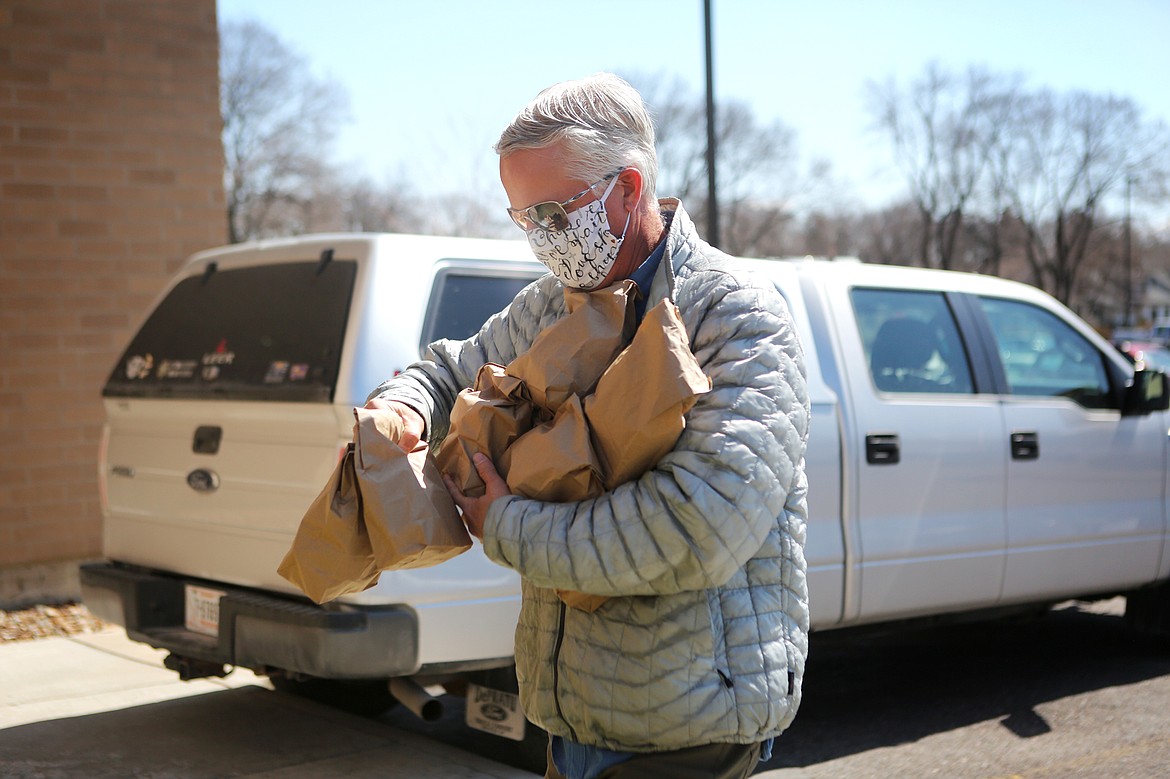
{"x": 943, "y": 128}
{"x": 828, "y": 234}
{"x": 758, "y": 179}
{"x": 758, "y": 165}
{"x": 1062, "y": 157}
{"x": 278, "y": 122}
{"x": 388, "y": 207}
{"x": 986, "y": 242}
{"x": 890, "y": 235}
{"x": 680, "y": 133}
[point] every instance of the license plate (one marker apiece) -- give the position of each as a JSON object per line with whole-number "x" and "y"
{"x": 495, "y": 712}
{"x": 202, "y": 611}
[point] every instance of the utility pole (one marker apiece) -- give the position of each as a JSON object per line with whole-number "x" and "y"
{"x": 712, "y": 204}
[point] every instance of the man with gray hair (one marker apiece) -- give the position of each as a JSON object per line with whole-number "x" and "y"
{"x": 694, "y": 663}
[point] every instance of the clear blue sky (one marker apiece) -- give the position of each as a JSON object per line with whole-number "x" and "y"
{"x": 431, "y": 84}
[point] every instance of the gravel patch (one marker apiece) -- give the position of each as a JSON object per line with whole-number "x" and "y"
{"x": 66, "y": 619}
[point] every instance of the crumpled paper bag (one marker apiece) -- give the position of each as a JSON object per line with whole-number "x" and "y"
{"x": 486, "y": 418}
{"x": 564, "y": 361}
{"x": 382, "y": 509}
{"x": 638, "y": 391}
{"x": 331, "y": 553}
{"x": 555, "y": 461}
{"x": 639, "y": 408}
{"x": 410, "y": 516}
{"x": 569, "y": 357}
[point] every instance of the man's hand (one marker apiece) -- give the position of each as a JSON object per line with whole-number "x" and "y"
{"x": 475, "y": 509}
{"x": 413, "y": 425}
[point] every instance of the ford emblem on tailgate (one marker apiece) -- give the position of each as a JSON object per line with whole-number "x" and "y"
{"x": 203, "y": 480}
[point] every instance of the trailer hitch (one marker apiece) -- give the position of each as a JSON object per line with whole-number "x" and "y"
{"x": 190, "y": 668}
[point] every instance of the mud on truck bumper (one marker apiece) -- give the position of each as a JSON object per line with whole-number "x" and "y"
{"x": 255, "y": 630}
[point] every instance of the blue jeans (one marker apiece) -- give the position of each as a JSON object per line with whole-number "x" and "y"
{"x": 711, "y": 761}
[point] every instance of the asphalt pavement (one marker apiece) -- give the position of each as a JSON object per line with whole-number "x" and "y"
{"x": 100, "y": 706}
{"x": 1074, "y": 695}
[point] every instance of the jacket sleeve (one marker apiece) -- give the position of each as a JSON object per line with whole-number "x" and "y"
{"x": 431, "y": 385}
{"x": 706, "y": 509}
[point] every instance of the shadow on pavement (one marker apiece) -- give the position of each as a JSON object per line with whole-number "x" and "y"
{"x": 245, "y": 732}
{"x": 864, "y": 692}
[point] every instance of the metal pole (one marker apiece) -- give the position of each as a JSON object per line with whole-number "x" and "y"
{"x": 1129, "y": 317}
{"x": 712, "y": 204}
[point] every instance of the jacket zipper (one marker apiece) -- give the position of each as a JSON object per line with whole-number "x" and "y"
{"x": 557, "y": 670}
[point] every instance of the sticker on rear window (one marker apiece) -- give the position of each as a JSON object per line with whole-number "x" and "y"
{"x": 139, "y": 366}
{"x": 176, "y": 369}
{"x": 277, "y": 371}
{"x": 221, "y": 356}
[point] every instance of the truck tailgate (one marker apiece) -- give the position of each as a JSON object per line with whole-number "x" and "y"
{"x": 213, "y": 489}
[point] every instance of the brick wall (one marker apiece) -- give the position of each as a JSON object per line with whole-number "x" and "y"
{"x": 110, "y": 174}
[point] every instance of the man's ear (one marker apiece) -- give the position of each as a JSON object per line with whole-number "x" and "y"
{"x": 630, "y": 183}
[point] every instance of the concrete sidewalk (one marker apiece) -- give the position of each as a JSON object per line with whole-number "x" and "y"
{"x": 99, "y": 706}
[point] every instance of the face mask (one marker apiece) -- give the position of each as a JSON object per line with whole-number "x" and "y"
{"x": 582, "y": 254}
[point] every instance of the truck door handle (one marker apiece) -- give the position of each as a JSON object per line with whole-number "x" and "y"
{"x": 1025, "y": 446}
{"x": 882, "y": 449}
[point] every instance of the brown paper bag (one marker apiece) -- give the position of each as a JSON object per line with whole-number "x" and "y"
{"x": 581, "y": 600}
{"x": 382, "y": 509}
{"x": 331, "y": 554}
{"x": 486, "y": 418}
{"x": 576, "y": 367}
{"x": 636, "y": 414}
{"x": 555, "y": 461}
{"x": 638, "y": 410}
{"x": 410, "y": 517}
{"x": 569, "y": 356}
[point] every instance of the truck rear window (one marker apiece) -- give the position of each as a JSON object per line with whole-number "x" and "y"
{"x": 262, "y": 332}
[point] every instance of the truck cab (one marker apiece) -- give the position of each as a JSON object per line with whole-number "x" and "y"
{"x": 974, "y": 445}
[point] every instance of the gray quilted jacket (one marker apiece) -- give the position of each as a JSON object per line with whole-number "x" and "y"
{"x": 704, "y": 637}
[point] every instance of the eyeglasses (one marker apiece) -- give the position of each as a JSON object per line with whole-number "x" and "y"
{"x": 552, "y": 215}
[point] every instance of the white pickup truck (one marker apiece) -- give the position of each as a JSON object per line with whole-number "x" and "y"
{"x": 975, "y": 447}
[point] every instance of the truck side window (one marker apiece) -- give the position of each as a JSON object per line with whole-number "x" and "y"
{"x": 911, "y": 341}
{"x": 1043, "y": 355}
{"x": 463, "y": 299}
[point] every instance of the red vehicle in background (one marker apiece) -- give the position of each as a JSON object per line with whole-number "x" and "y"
{"x": 1151, "y": 354}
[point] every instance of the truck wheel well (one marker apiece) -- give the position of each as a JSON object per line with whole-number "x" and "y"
{"x": 1148, "y": 610}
